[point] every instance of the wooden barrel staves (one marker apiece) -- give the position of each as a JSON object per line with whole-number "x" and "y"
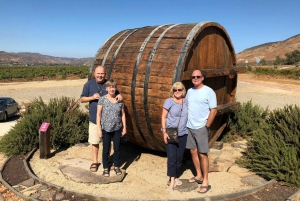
{"x": 146, "y": 61}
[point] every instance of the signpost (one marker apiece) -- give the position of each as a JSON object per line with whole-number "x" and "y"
{"x": 257, "y": 59}
{"x": 44, "y": 140}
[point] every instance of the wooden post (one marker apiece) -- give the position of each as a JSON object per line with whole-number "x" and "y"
{"x": 44, "y": 140}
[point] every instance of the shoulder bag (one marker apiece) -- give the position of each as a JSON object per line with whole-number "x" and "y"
{"x": 173, "y": 132}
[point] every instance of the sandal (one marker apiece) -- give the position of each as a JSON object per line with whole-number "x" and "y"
{"x": 205, "y": 187}
{"x": 94, "y": 167}
{"x": 169, "y": 190}
{"x": 118, "y": 171}
{"x": 105, "y": 173}
{"x": 178, "y": 182}
{"x": 193, "y": 179}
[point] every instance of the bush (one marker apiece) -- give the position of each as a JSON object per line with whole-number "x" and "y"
{"x": 68, "y": 125}
{"x": 246, "y": 119}
{"x": 274, "y": 151}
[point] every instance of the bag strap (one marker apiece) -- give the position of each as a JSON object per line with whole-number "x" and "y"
{"x": 180, "y": 113}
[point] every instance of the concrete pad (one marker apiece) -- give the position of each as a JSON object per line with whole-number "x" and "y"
{"x": 6, "y": 126}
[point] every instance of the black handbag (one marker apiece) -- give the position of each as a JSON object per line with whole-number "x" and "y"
{"x": 173, "y": 132}
{"x": 173, "y": 135}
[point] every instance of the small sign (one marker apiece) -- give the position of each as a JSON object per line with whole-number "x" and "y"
{"x": 44, "y": 127}
{"x": 257, "y": 59}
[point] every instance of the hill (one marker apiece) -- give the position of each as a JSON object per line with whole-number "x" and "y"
{"x": 27, "y": 58}
{"x": 269, "y": 51}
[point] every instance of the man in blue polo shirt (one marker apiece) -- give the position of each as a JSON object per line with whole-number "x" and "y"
{"x": 92, "y": 91}
{"x": 202, "y": 103}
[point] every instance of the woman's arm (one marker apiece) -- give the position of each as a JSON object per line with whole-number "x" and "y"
{"x": 123, "y": 121}
{"x": 98, "y": 119}
{"x": 163, "y": 125}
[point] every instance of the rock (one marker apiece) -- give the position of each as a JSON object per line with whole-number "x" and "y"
{"x": 253, "y": 180}
{"x": 224, "y": 164}
{"x": 236, "y": 145}
{"x": 78, "y": 170}
{"x": 29, "y": 192}
{"x": 186, "y": 186}
{"x": 217, "y": 145}
{"x": 47, "y": 195}
{"x": 59, "y": 196}
{"x": 27, "y": 183}
{"x": 43, "y": 188}
{"x": 214, "y": 168}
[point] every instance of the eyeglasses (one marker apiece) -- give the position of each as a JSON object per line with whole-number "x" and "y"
{"x": 174, "y": 90}
{"x": 197, "y": 76}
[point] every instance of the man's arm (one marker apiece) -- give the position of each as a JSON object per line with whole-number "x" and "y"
{"x": 85, "y": 99}
{"x": 211, "y": 117}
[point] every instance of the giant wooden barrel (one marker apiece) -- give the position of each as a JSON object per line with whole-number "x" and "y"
{"x": 146, "y": 61}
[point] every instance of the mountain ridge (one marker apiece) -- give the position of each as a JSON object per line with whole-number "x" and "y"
{"x": 267, "y": 51}
{"x": 270, "y": 50}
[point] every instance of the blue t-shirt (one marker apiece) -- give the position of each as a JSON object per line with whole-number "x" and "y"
{"x": 200, "y": 101}
{"x": 111, "y": 119}
{"x": 174, "y": 115}
{"x": 89, "y": 89}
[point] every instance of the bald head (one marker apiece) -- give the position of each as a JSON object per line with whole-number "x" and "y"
{"x": 99, "y": 74}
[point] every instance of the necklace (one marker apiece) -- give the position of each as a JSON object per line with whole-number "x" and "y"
{"x": 100, "y": 88}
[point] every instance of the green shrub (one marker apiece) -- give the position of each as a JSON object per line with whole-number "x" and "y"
{"x": 68, "y": 125}
{"x": 249, "y": 69}
{"x": 274, "y": 150}
{"x": 246, "y": 119}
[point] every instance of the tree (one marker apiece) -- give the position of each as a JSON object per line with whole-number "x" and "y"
{"x": 263, "y": 62}
{"x": 278, "y": 61}
{"x": 292, "y": 57}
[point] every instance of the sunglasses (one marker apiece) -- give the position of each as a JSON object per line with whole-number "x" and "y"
{"x": 174, "y": 90}
{"x": 197, "y": 76}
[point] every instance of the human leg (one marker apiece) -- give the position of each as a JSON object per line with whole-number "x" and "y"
{"x": 94, "y": 140}
{"x": 171, "y": 165}
{"x": 203, "y": 149}
{"x": 192, "y": 145}
{"x": 116, "y": 144}
{"x": 106, "y": 147}
{"x": 196, "y": 161}
{"x": 179, "y": 156}
{"x": 179, "y": 153}
{"x": 204, "y": 168}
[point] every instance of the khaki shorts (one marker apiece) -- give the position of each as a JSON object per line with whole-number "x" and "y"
{"x": 93, "y": 134}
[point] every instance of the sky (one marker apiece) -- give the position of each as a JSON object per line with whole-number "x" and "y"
{"x": 78, "y": 28}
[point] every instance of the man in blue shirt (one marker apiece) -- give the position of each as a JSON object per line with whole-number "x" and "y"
{"x": 92, "y": 91}
{"x": 202, "y": 103}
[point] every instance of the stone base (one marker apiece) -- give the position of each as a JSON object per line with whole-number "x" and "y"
{"x": 186, "y": 186}
{"x": 78, "y": 170}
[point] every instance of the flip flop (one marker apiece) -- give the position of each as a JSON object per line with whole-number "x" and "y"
{"x": 178, "y": 182}
{"x": 94, "y": 167}
{"x": 206, "y": 187}
{"x": 169, "y": 190}
{"x": 195, "y": 180}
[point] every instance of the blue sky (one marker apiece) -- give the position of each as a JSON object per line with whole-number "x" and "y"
{"x": 77, "y": 28}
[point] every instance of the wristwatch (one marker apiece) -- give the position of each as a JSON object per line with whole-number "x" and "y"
{"x": 162, "y": 129}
